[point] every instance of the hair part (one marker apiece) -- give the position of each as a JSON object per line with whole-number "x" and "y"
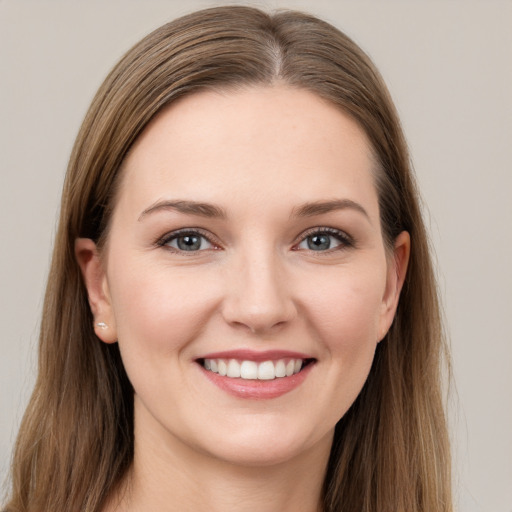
{"x": 390, "y": 450}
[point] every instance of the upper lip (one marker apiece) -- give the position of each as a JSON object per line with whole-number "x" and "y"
{"x": 254, "y": 355}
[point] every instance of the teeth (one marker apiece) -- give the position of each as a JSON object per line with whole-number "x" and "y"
{"x": 280, "y": 369}
{"x": 290, "y": 367}
{"x": 249, "y": 370}
{"x": 266, "y": 370}
{"x": 223, "y": 368}
{"x": 233, "y": 368}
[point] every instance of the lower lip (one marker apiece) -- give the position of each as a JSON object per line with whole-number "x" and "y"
{"x": 258, "y": 389}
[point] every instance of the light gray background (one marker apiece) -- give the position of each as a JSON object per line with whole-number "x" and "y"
{"x": 448, "y": 65}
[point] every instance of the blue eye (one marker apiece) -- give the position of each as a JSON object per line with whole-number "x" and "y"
{"x": 324, "y": 240}
{"x": 187, "y": 241}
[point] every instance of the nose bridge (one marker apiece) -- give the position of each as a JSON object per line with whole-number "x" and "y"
{"x": 258, "y": 296}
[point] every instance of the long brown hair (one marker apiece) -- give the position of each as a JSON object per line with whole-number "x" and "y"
{"x": 75, "y": 444}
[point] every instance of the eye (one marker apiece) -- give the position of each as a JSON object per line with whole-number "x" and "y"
{"x": 324, "y": 239}
{"x": 187, "y": 241}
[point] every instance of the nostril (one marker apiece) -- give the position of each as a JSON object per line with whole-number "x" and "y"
{"x": 256, "y": 326}
{"x": 260, "y": 303}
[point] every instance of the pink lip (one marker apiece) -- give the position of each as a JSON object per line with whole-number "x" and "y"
{"x": 256, "y": 389}
{"x": 253, "y": 355}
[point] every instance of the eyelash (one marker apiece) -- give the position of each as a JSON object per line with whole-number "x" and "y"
{"x": 345, "y": 241}
{"x": 174, "y": 235}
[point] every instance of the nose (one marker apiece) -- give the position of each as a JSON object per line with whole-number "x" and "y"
{"x": 259, "y": 296}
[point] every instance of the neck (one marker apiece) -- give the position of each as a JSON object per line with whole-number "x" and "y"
{"x": 172, "y": 477}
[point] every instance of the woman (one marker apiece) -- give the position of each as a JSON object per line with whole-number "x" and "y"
{"x": 241, "y": 310}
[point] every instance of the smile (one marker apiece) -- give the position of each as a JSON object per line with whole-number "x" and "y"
{"x": 253, "y": 370}
{"x": 256, "y": 375}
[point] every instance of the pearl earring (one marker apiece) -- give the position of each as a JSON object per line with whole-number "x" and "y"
{"x": 102, "y": 325}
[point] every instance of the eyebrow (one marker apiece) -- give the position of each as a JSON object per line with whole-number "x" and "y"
{"x": 209, "y": 210}
{"x": 321, "y": 207}
{"x": 187, "y": 207}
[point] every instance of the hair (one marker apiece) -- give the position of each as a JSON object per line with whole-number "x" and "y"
{"x": 75, "y": 444}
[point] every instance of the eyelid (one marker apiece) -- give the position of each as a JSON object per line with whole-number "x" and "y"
{"x": 345, "y": 239}
{"x": 171, "y": 235}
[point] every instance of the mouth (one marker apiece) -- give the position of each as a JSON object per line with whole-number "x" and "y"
{"x": 249, "y": 369}
{"x": 256, "y": 375}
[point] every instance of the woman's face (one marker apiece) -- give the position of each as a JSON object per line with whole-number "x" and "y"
{"x": 246, "y": 239}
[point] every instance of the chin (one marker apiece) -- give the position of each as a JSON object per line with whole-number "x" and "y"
{"x": 256, "y": 456}
{"x": 265, "y": 446}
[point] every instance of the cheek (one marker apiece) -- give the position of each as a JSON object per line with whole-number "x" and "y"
{"x": 158, "y": 311}
{"x": 347, "y": 307}
{"x": 349, "y": 326}
{"x": 345, "y": 315}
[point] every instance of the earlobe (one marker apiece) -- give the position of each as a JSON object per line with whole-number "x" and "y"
{"x": 397, "y": 270}
{"x": 95, "y": 281}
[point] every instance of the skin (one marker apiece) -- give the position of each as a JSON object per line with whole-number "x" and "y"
{"x": 255, "y": 283}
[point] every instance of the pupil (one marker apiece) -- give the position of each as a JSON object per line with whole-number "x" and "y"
{"x": 189, "y": 243}
{"x": 319, "y": 242}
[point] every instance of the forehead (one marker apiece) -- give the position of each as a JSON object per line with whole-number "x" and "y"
{"x": 278, "y": 143}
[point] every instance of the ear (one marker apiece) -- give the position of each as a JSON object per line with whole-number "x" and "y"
{"x": 397, "y": 270}
{"x": 96, "y": 283}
